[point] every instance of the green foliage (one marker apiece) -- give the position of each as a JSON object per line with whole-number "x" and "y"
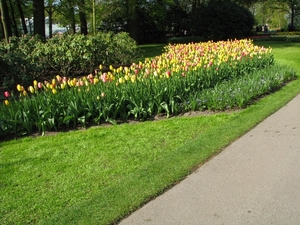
{"x": 16, "y": 61}
{"x": 185, "y": 39}
{"x": 222, "y": 20}
{"x": 287, "y": 38}
{"x": 26, "y": 58}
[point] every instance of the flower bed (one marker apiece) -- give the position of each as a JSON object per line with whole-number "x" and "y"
{"x": 211, "y": 75}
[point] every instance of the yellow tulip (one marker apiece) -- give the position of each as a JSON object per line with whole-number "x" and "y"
{"x": 31, "y": 89}
{"x": 6, "y": 102}
{"x": 58, "y": 78}
{"x": 96, "y": 80}
{"x": 20, "y": 88}
{"x": 54, "y": 91}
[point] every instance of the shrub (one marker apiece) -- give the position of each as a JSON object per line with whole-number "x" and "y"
{"x": 25, "y": 59}
{"x": 222, "y": 20}
{"x": 16, "y": 61}
{"x": 185, "y": 40}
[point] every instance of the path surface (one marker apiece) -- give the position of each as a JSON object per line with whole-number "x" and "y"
{"x": 255, "y": 180}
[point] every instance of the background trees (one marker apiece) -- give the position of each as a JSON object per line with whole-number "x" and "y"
{"x": 144, "y": 20}
{"x": 220, "y": 20}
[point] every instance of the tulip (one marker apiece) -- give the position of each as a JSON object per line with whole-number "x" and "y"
{"x": 6, "y": 94}
{"x": 54, "y": 91}
{"x": 20, "y": 88}
{"x": 133, "y": 78}
{"x": 104, "y": 77}
{"x": 31, "y": 89}
{"x": 168, "y": 74}
{"x": 96, "y": 80}
{"x": 6, "y": 102}
{"x": 25, "y": 93}
{"x": 58, "y": 78}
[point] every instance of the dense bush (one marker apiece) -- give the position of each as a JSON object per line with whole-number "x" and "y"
{"x": 222, "y": 20}
{"x": 16, "y": 60}
{"x": 25, "y": 59}
{"x": 185, "y": 40}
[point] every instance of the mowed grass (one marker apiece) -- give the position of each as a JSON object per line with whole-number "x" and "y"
{"x": 100, "y": 175}
{"x": 286, "y": 53}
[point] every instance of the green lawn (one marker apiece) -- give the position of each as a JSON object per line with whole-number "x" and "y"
{"x": 100, "y": 175}
{"x": 287, "y": 53}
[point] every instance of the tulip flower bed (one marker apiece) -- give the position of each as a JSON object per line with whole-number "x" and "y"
{"x": 213, "y": 75}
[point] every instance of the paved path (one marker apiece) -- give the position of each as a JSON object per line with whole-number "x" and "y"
{"x": 255, "y": 180}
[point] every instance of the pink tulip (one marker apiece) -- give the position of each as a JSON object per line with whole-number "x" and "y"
{"x": 40, "y": 85}
{"x": 104, "y": 77}
{"x": 6, "y": 94}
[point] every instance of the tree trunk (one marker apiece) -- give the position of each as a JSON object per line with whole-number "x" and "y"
{"x": 50, "y": 24}
{"x": 292, "y": 15}
{"x": 5, "y": 20}
{"x": 132, "y": 21}
{"x": 39, "y": 18}
{"x": 82, "y": 17}
{"x": 73, "y": 21}
{"x": 14, "y": 22}
{"x": 22, "y": 16}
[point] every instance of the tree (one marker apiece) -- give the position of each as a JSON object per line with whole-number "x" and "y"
{"x": 293, "y": 10}
{"x": 50, "y": 9}
{"x": 22, "y": 17}
{"x": 222, "y": 20}
{"x": 39, "y": 18}
{"x": 6, "y": 23}
{"x": 66, "y": 13}
{"x": 132, "y": 19}
{"x": 82, "y": 17}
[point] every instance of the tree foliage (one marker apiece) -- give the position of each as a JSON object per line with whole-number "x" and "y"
{"x": 147, "y": 20}
{"x": 221, "y": 20}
